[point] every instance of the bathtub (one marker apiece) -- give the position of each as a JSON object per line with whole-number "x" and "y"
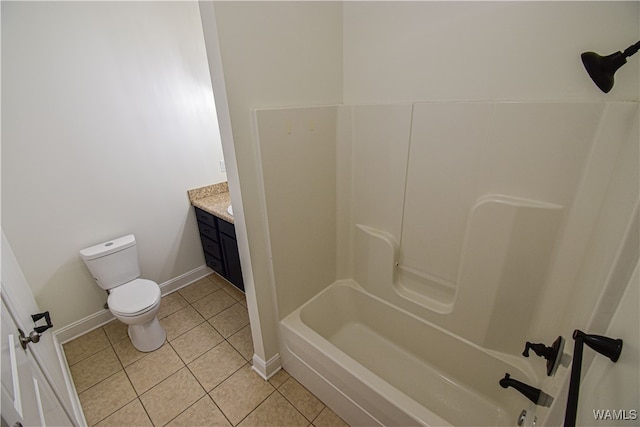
{"x": 396, "y": 368}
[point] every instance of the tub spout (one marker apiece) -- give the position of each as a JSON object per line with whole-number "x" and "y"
{"x": 531, "y": 393}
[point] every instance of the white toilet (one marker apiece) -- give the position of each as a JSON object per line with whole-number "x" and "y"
{"x": 134, "y": 301}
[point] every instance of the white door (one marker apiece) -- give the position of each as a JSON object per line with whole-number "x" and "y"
{"x": 27, "y": 398}
{"x": 18, "y": 304}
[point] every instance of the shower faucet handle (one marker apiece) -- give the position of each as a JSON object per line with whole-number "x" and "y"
{"x": 551, "y": 354}
{"x": 538, "y": 348}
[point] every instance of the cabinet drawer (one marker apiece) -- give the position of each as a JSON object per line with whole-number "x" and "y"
{"x": 210, "y": 246}
{"x": 205, "y": 217}
{"x": 227, "y": 228}
{"x": 208, "y": 231}
{"x": 214, "y": 263}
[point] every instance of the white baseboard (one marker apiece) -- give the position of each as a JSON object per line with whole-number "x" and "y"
{"x": 95, "y": 320}
{"x": 70, "y": 386}
{"x": 82, "y": 326}
{"x": 266, "y": 369}
{"x": 184, "y": 279}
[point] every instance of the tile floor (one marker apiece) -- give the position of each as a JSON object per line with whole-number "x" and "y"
{"x": 201, "y": 376}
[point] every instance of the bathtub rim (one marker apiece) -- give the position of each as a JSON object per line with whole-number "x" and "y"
{"x": 383, "y": 404}
{"x": 401, "y": 403}
{"x": 523, "y": 364}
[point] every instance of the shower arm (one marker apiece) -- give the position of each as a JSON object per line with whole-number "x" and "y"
{"x": 606, "y": 346}
{"x": 631, "y": 50}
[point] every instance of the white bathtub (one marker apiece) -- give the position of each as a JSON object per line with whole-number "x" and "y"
{"x": 398, "y": 369}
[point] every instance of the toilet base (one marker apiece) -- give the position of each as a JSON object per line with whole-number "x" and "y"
{"x": 148, "y": 336}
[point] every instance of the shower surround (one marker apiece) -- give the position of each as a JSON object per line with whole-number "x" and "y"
{"x": 446, "y": 232}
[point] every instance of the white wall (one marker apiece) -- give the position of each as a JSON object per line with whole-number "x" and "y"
{"x": 107, "y": 120}
{"x": 274, "y": 54}
{"x": 450, "y": 50}
{"x": 300, "y": 191}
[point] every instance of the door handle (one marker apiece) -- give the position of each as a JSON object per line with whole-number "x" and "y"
{"x": 47, "y": 318}
{"x": 34, "y": 336}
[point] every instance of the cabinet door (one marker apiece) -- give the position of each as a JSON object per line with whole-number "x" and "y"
{"x": 231, "y": 259}
{"x": 205, "y": 217}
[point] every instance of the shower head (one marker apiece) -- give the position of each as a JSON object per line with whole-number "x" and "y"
{"x": 602, "y": 68}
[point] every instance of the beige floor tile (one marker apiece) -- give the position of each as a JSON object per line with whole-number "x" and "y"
{"x": 275, "y": 411}
{"x": 279, "y": 378}
{"x": 236, "y": 293}
{"x": 216, "y": 365}
{"x": 106, "y": 397}
{"x": 218, "y": 280}
{"x": 127, "y": 353}
{"x": 240, "y": 394}
{"x": 243, "y": 342}
{"x": 230, "y": 320}
{"x": 328, "y": 418}
{"x": 85, "y": 345}
{"x": 202, "y": 413}
{"x": 153, "y": 368}
{"x": 172, "y": 396}
{"x": 116, "y": 331}
{"x": 198, "y": 289}
{"x": 196, "y": 342}
{"x": 95, "y": 368}
{"x": 213, "y": 303}
{"x": 170, "y": 304}
{"x": 180, "y": 322}
{"x": 133, "y": 414}
{"x": 301, "y": 398}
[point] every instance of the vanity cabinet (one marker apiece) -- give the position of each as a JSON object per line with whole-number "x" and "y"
{"x": 220, "y": 247}
{"x": 230, "y": 255}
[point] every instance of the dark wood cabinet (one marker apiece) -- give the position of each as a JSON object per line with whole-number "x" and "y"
{"x": 220, "y": 247}
{"x": 231, "y": 259}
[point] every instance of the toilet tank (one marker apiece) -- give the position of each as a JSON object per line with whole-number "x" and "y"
{"x": 113, "y": 263}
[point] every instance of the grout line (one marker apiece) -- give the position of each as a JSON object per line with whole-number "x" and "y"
{"x": 144, "y": 408}
{"x": 219, "y": 409}
{"x": 275, "y": 390}
{"x": 295, "y": 407}
{"x": 305, "y": 389}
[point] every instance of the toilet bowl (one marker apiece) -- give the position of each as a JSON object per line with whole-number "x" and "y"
{"x": 136, "y": 304}
{"x": 132, "y": 300}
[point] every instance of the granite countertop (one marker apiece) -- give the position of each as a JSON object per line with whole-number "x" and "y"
{"x": 214, "y": 199}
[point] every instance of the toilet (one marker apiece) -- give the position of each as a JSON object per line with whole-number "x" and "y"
{"x": 132, "y": 300}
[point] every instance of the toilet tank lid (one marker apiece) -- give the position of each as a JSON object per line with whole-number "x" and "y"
{"x": 106, "y": 248}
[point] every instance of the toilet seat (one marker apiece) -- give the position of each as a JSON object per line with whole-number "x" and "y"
{"x": 134, "y": 298}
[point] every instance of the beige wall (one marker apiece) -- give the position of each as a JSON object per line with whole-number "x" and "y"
{"x": 274, "y": 54}
{"x": 107, "y": 120}
{"x": 450, "y": 50}
{"x": 300, "y": 193}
